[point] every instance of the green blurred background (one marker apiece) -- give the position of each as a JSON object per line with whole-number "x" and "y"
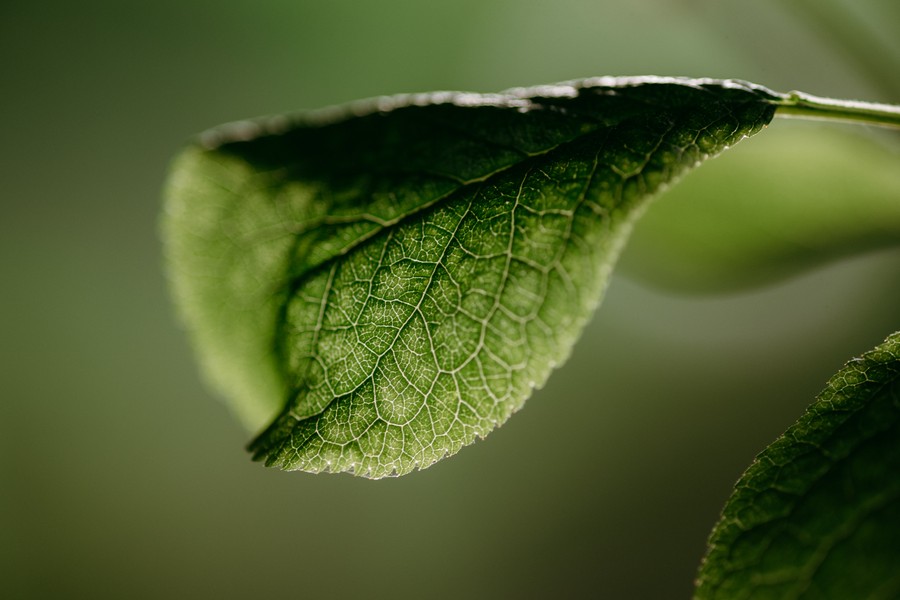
{"x": 122, "y": 476}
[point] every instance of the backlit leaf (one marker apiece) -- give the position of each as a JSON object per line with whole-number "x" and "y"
{"x": 391, "y": 280}
{"x": 818, "y": 513}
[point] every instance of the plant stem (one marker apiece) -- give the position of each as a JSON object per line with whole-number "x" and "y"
{"x": 807, "y": 106}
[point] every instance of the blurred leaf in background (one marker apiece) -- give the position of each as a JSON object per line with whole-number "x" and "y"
{"x": 121, "y": 476}
{"x": 795, "y": 198}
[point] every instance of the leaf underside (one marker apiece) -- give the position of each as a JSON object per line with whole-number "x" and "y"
{"x": 818, "y": 513}
{"x": 394, "y": 278}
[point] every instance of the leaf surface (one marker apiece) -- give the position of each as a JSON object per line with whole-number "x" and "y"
{"x": 394, "y": 278}
{"x": 818, "y": 512}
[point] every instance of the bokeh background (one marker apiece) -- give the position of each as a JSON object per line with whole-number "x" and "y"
{"x": 121, "y": 476}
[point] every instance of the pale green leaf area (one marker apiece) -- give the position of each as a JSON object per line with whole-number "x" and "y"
{"x": 797, "y": 197}
{"x": 393, "y": 279}
{"x": 818, "y": 512}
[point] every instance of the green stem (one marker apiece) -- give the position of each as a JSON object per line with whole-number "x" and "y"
{"x": 807, "y": 106}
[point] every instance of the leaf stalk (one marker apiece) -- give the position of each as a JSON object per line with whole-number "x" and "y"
{"x": 806, "y": 106}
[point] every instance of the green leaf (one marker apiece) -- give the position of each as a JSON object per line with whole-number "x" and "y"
{"x": 394, "y": 278}
{"x": 818, "y": 513}
{"x": 797, "y": 197}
